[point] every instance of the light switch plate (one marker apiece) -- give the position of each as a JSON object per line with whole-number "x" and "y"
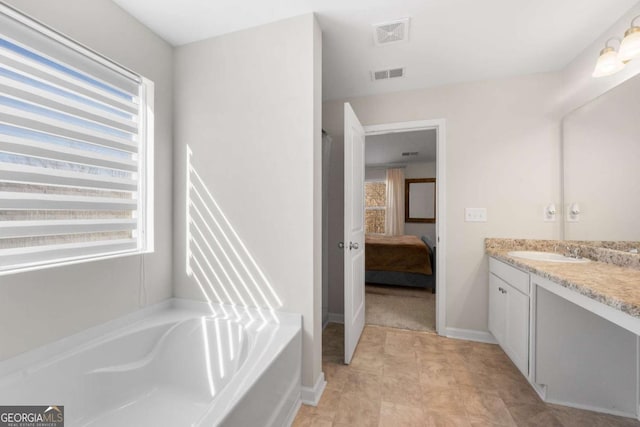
{"x": 475, "y": 214}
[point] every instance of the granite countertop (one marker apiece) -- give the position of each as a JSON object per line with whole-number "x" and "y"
{"x": 617, "y": 286}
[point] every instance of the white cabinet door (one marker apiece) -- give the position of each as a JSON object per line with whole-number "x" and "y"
{"x": 497, "y": 309}
{"x": 509, "y": 321}
{"x": 517, "y": 328}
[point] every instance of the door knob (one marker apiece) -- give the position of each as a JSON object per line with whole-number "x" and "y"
{"x": 341, "y": 245}
{"x": 353, "y": 245}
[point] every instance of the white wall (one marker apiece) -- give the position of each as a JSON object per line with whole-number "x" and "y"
{"x": 375, "y": 173}
{"x": 52, "y": 303}
{"x": 234, "y": 96}
{"x": 502, "y": 154}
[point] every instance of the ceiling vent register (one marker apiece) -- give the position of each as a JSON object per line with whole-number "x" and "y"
{"x": 387, "y": 74}
{"x": 391, "y": 32}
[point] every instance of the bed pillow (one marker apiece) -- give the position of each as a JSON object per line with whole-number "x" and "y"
{"x": 427, "y": 241}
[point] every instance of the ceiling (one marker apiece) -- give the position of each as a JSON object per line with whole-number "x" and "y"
{"x": 388, "y": 148}
{"x": 450, "y": 41}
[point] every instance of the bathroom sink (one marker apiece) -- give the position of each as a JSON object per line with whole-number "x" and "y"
{"x": 546, "y": 256}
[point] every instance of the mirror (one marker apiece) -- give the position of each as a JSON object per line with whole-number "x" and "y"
{"x": 601, "y": 167}
{"x": 420, "y": 200}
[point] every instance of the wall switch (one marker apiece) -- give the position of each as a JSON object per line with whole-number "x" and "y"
{"x": 475, "y": 214}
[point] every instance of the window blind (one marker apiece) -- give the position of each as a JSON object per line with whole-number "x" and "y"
{"x": 73, "y": 150}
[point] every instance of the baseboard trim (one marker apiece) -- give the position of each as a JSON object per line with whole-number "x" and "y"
{"x": 593, "y": 408}
{"x": 470, "y": 335}
{"x": 294, "y": 411}
{"x": 540, "y": 389}
{"x": 311, "y": 395}
{"x": 335, "y": 318}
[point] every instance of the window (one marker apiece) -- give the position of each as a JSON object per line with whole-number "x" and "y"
{"x": 75, "y": 151}
{"x": 375, "y": 210}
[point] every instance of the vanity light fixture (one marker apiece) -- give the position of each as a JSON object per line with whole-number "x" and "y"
{"x": 608, "y": 62}
{"x": 630, "y": 46}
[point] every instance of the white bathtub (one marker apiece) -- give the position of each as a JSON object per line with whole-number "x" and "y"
{"x": 176, "y": 365}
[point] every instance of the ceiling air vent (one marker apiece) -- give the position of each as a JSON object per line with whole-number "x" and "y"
{"x": 410, "y": 153}
{"x": 391, "y": 32}
{"x": 387, "y": 74}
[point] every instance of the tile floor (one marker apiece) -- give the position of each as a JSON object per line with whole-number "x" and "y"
{"x": 407, "y": 378}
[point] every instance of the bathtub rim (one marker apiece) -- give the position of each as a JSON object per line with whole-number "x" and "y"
{"x": 49, "y": 353}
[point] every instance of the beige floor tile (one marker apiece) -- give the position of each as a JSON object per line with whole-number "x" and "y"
{"x": 374, "y": 334}
{"x": 402, "y": 389}
{"x": 439, "y": 420}
{"x": 397, "y": 415}
{"x": 615, "y": 421}
{"x": 515, "y": 391}
{"x": 399, "y": 342}
{"x": 369, "y": 347}
{"x": 363, "y": 384}
{"x": 401, "y": 364}
{"x": 311, "y": 421}
{"x": 443, "y": 402}
{"x": 480, "y": 380}
{"x": 425, "y": 356}
{"x": 485, "y": 407}
{"x": 403, "y": 378}
{"x": 533, "y": 415}
{"x": 355, "y": 409}
{"x": 336, "y": 375}
{"x": 372, "y": 363}
{"x": 436, "y": 376}
{"x": 328, "y": 405}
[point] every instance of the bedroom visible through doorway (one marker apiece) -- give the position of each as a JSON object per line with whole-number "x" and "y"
{"x": 400, "y": 225}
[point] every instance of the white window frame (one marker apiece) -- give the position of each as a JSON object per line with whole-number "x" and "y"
{"x": 377, "y": 208}
{"x": 145, "y": 155}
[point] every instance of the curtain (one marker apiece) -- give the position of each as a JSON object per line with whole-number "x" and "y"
{"x": 394, "y": 219}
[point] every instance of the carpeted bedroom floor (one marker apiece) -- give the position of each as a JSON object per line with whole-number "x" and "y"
{"x": 400, "y": 307}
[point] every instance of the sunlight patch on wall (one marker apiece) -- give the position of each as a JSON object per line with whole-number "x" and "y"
{"x": 216, "y": 258}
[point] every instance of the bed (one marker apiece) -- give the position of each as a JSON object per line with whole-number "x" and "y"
{"x": 400, "y": 260}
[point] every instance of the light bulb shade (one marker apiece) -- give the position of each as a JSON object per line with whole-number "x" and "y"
{"x": 608, "y": 63}
{"x": 630, "y": 46}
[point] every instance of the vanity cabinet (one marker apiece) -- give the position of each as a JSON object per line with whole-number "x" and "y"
{"x": 509, "y": 311}
{"x": 575, "y": 348}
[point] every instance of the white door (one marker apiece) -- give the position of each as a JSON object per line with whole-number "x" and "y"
{"x": 353, "y": 232}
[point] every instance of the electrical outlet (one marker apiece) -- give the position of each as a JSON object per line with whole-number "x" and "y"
{"x": 475, "y": 214}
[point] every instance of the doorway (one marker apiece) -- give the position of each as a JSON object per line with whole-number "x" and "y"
{"x": 346, "y": 303}
{"x": 438, "y": 126}
{"x": 400, "y": 229}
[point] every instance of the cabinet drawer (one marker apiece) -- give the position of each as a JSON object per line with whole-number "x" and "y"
{"x": 516, "y": 278}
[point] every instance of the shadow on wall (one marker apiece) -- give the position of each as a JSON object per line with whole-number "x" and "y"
{"x": 217, "y": 259}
